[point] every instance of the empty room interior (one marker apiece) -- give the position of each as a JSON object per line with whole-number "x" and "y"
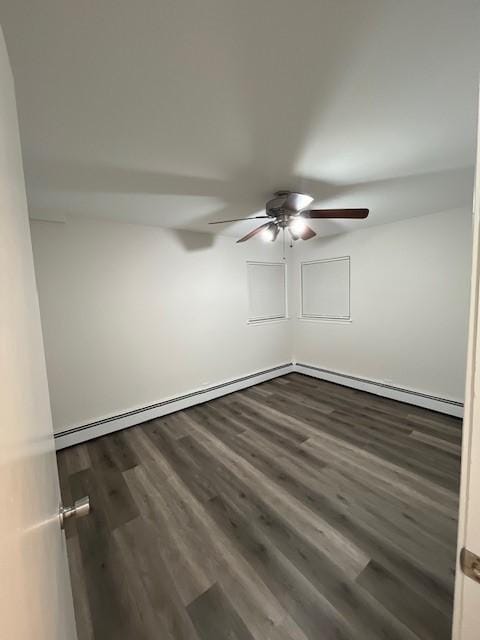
{"x": 251, "y": 226}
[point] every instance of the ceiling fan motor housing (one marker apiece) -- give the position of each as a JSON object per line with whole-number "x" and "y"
{"x": 277, "y": 209}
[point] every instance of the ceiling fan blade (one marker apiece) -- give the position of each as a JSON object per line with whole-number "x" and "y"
{"x": 307, "y": 233}
{"x": 237, "y": 219}
{"x": 356, "y": 214}
{"x": 254, "y": 232}
{"x": 297, "y": 201}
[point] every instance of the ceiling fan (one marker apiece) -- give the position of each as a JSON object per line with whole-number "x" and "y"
{"x": 288, "y": 210}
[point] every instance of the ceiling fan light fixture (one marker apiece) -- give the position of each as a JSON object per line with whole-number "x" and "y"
{"x": 270, "y": 233}
{"x": 297, "y": 226}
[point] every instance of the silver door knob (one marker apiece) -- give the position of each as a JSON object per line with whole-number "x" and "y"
{"x": 80, "y": 509}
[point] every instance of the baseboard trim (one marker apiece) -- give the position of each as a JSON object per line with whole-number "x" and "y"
{"x": 101, "y": 427}
{"x": 435, "y": 403}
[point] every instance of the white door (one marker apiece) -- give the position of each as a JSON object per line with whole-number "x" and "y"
{"x": 35, "y": 592}
{"x": 466, "y": 624}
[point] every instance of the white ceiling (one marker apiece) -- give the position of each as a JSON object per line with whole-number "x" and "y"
{"x": 177, "y": 112}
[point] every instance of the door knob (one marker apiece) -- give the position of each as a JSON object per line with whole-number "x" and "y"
{"x": 80, "y": 509}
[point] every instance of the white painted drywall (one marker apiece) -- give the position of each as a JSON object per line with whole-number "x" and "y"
{"x": 409, "y": 304}
{"x": 177, "y": 113}
{"x": 134, "y": 315}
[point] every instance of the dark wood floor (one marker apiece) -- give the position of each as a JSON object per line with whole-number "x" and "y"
{"x": 296, "y": 509}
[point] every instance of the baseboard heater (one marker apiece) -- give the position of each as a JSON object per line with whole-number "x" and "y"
{"x": 435, "y": 403}
{"x": 81, "y": 433}
{"x": 103, "y": 426}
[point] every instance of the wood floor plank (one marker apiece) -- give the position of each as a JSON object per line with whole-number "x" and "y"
{"x": 371, "y": 463}
{"x": 175, "y": 424}
{"x": 117, "y": 500}
{"x": 155, "y": 594}
{"x": 80, "y": 594}
{"x": 307, "y": 606}
{"x": 438, "y": 466}
{"x": 311, "y": 588}
{"x": 258, "y": 607}
{"x": 298, "y": 509}
{"x": 206, "y": 550}
{"x": 256, "y": 528}
{"x": 386, "y": 520}
{"x": 413, "y": 610}
{"x": 191, "y": 568}
{"x": 180, "y": 460}
{"x": 215, "y": 617}
{"x": 440, "y": 443}
{"x": 314, "y": 527}
{"x": 412, "y": 569}
{"x": 112, "y": 611}
{"x": 122, "y": 454}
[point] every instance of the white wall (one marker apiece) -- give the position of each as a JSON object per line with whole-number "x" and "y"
{"x": 134, "y": 315}
{"x": 409, "y": 304}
